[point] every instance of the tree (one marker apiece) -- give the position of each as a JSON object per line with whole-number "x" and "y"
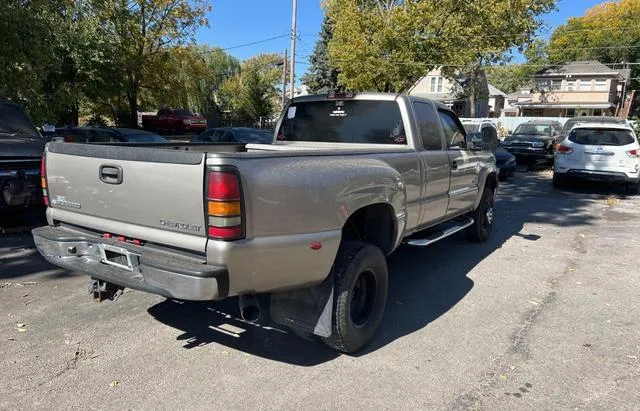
{"x": 387, "y": 45}
{"x": 512, "y": 77}
{"x": 322, "y": 77}
{"x": 607, "y": 32}
{"x": 144, "y": 30}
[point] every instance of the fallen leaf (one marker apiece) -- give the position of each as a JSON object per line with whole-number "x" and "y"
{"x": 503, "y": 377}
{"x": 20, "y": 325}
{"x": 21, "y": 330}
{"x": 11, "y": 339}
{"x": 578, "y": 282}
{"x": 114, "y": 384}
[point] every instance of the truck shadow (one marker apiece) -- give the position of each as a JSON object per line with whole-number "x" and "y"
{"x": 424, "y": 283}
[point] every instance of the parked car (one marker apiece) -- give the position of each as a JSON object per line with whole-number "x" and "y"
{"x": 307, "y": 220}
{"x": 21, "y": 149}
{"x": 604, "y": 152}
{"x": 506, "y": 163}
{"x": 568, "y": 125}
{"x": 174, "y": 120}
{"x": 534, "y": 140}
{"x": 240, "y": 135}
{"x": 475, "y": 129}
{"x": 107, "y": 135}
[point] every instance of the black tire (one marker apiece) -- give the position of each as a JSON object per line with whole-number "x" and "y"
{"x": 559, "y": 182}
{"x": 360, "y": 271}
{"x": 483, "y": 218}
{"x": 632, "y": 189}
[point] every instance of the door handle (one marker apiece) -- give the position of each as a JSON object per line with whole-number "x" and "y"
{"x": 110, "y": 174}
{"x": 454, "y": 165}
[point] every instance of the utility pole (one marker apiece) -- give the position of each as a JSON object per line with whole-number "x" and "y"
{"x": 293, "y": 48}
{"x": 284, "y": 79}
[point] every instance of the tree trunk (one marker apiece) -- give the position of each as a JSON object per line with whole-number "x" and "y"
{"x": 132, "y": 97}
{"x": 472, "y": 95}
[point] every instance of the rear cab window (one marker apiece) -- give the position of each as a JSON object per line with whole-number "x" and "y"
{"x": 602, "y": 137}
{"x": 344, "y": 121}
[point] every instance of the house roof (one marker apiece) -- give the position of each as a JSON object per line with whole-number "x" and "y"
{"x": 493, "y": 91}
{"x": 589, "y": 67}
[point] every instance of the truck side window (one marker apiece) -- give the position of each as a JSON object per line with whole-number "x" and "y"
{"x": 428, "y": 123}
{"x": 453, "y": 131}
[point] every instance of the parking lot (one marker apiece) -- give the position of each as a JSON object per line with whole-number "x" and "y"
{"x": 545, "y": 315}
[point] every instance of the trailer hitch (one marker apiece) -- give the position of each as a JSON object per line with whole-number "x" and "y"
{"x": 102, "y": 290}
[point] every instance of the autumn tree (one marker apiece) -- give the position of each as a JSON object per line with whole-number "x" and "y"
{"x": 387, "y": 45}
{"x": 607, "y": 32}
{"x": 510, "y": 77}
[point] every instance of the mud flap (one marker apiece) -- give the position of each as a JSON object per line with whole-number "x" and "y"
{"x": 308, "y": 309}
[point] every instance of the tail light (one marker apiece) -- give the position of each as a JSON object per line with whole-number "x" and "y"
{"x": 562, "y": 149}
{"x": 224, "y": 205}
{"x": 633, "y": 153}
{"x": 43, "y": 179}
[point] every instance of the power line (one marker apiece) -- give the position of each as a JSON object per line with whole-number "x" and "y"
{"x": 255, "y": 42}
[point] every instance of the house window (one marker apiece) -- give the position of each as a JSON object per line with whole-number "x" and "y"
{"x": 570, "y": 86}
{"x": 436, "y": 85}
{"x": 571, "y": 112}
{"x": 543, "y": 85}
{"x": 556, "y": 85}
{"x": 585, "y": 85}
{"x": 600, "y": 85}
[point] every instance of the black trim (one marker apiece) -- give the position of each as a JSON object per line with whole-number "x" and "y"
{"x": 128, "y": 153}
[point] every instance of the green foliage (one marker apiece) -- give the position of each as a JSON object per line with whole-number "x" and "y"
{"x": 322, "y": 77}
{"x": 387, "y": 45}
{"x": 512, "y": 77}
{"x": 608, "y": 33}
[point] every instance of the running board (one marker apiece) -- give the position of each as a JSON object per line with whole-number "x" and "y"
{"x": 439, "y": 235}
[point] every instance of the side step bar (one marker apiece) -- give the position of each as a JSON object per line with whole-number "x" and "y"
{"x": 439, "y": 235}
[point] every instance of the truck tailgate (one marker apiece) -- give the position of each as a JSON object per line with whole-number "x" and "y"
{"x": 130, "y": 191}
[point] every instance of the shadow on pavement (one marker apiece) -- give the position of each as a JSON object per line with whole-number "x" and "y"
{"x": 425, "y": 283}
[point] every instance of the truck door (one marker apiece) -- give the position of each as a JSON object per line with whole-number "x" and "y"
{"x": 434, "y": 160}
{"x": 465, "y": 165}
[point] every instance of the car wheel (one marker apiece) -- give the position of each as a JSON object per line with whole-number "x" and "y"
{"x": 483, "y": 218}
{"x": 360, "y": 294}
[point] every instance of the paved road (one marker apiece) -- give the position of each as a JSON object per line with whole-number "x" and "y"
{"x": 544, "y": 316}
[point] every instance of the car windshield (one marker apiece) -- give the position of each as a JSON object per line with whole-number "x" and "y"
{"x": 344, "y": 121}
{"x": 601, "y": 137}
{"x": 186, "y": 113}
{"x": 253, "y": 136}
{"x": 15, "y": 123}
{"x": 471, "y": 128}
{"x": 602, "y": 120}
{"x": 144, "y": 138}
{"x": 534, "y": 129}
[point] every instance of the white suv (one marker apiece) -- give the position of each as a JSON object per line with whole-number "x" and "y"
{"x": 604, "y": 152}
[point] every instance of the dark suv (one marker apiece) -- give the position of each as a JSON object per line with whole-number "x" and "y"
{"x": 534, "y": 140}
{"x": 21, "y": 148}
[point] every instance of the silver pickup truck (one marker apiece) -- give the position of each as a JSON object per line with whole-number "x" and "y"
{"x": 307, "y": 220}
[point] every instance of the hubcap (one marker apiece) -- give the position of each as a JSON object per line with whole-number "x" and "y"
{"x": 363, "y": 297}
{"x": 489, "y": 215}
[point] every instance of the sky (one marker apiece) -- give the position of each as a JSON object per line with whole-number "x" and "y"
{"x": 238, "y": 22}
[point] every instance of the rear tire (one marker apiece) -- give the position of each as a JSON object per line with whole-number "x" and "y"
{"x": 559, "y": 182}
{"x": 360, "y": 294}
{"x": 483, "y": 218}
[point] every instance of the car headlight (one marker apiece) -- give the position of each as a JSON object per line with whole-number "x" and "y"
{"x": 186, "y": 121}
{"x": 538, "y": 144}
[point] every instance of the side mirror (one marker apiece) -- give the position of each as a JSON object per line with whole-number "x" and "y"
{"x": 48, "y": 128}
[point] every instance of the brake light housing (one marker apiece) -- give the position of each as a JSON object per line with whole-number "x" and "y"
{"x": 634, "y": 153}
{"x": 223, "y": 204}
{"x": 562, "y": 149}
{"x": 43, "y": 179}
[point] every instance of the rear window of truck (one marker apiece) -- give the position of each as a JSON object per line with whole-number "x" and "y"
{"x": 344, "y": 121}
{"x": 601, "y": 137}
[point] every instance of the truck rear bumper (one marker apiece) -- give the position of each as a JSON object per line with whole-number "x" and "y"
{"x": 151, "y": 270}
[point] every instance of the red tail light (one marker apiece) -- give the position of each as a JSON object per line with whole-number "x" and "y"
{"x": 224, "y": 205}
{"x": 562, "y": 149}
{"x": 43, "y": 180}
{"x": 633, "y": 153}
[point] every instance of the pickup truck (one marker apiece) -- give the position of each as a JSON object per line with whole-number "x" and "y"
{"x": 174, "y": 120}
{"x": 21, "y": 149}
{"x": 307, "y": 220}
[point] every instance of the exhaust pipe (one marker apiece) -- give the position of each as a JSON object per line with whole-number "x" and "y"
{"x": 249, "y": 308}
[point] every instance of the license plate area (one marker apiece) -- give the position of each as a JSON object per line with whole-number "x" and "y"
{"x": 116, "y": 257}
